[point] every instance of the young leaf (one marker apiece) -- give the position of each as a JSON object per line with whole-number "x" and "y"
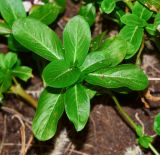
{"x": 22, "y": 72}
{"x": 127, "y": 75}
{"x": 46, "y": 13}
{"x": 145, "y": 141}
{"x": 133, "y": 20}
{"x": 59, "y": 75}
{"x": 134, "y": 35}
{"x": 108, "y": 6}
{"x": 77, "y": 106}
{"x": 88, "y": 12}
{"x": 4, "y": 29}
{"x": 50, "y": 109}
{"x": 12, "y": 10}
{"x": 77, "y": 37}
{"x": 117, "y": 48}
{"x": 10, "y": 60}
{"x": 96, "y": 60}
{"x": 141, "y": 11}
{"x": 157, "y": 124}
{"x": 38, "y": 38}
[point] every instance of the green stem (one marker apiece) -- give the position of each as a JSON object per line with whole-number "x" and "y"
{"x": 123, "y": 113}
{"x": 129, "y": 120}
{"x": 153, "y": 149}
{"x": 18, "y": 90}
{"x": 139, "y": 53}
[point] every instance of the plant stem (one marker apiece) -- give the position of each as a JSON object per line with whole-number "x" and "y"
{"x": 140, "y": 52}
{"x": 18, "y": 90}
{"x": 128, "y": 119}
{"x": 128, "y": 3}
{"x": 153, "y": 149}
{"x": 123, "y": 113}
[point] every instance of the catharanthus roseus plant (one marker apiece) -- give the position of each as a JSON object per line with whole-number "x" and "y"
{"x": 71, "y": 67}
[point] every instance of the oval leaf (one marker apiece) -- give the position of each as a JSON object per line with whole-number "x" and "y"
{"x": 59, "y": 75}
{"x": 46, "y": 13}
{"x": 12, "y": 10}
{"x": 141, "y": 11}
{"x": 77, "y": 106}
{"x": 88, "y": 12}
{"x": 39, "y": 38}
{"x": 50, "y": 109}
{"x": 133, "y": 35}
{"x": 108, "y": 6}
{"x": 133, "y": 20}
{"x": 77, "y": 37}
{"x": 4, "y": 29}
{"x": 128, "y": 75}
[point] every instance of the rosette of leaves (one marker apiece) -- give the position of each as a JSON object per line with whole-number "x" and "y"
{"x": 10, "y": 68}
{"x": 71, "y": 67}
{"x": 11, "y": 10}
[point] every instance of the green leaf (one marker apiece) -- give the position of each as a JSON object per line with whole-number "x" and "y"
{"x": 47, "y": 13}
{"x": 61, "y": 3}
{"x": 77, "y": 37}
{"x": 10, "y": 60}
{"x": 116, "y": 48}
{"x": 12, "y": 10}
{"x": 145, "y": 141}
{"x": 139, "y": 130}
{"x": 133, "y": 20}
{"x": 77, "y": 106}
{"x": 4, "y": 29}
{"x": 134, "y": 35}
{"x": 157, "y": 124}
{"x": 50, "y": 109}
{"x": 88, "y": 12}
{"x": 96, "y": 60}
{"x": 141, "y": 11}
{"x": 151, "y": 29}
{"x": 97, "y": 42}
{"x": 127, "y": 75}
{"x": 157, "y": 19}
{"x": 5, "y": 80}
{"x": 59, "y": 75}
{"x": 108, "y": 6}
{"x": 38, "y": 38}
{"x": 22, "y": 72}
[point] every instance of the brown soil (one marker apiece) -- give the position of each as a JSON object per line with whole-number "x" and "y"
{"x": 106, "y": 132}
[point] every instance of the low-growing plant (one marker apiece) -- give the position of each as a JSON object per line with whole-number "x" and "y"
{"x": 10, "y": 69}
{"x": 71, "y": 69}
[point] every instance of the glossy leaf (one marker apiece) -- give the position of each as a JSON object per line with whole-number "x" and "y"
{"x": 141, "y": 11}
{"x": 134, "y": 35}
{"x": 145, "y": 141}
{"x": 151, "y": 29}
{"x": 45, "y": 13}
{"x": 88, "y": 12}
{"x": 127, "y": 75}
{"x": 59, "y": 75}
{"x": 97, "y": 42}
{"x": 96, "y": 60}
{"x": 50, "y": 109}
{"x": 133, "y": 20}
{"x": 38, "y": 38}
{"x": 108, "y": 6}
{"x": 77, "y": 37}
{"x": 157, "y": 124}
{"x": 10, "y": 60}
{"x": 22, "y": 72}
{"x": 117, "y": 48}
{"x": 12, "y": 10}
{"x": 77, "y": 106}
{"x": 4, "y": 29}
